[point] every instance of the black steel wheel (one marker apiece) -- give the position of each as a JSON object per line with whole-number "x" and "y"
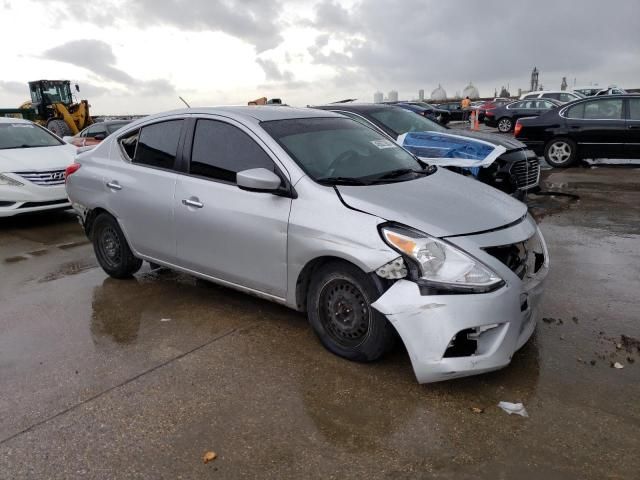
{"x": 339, "y": 309}
{"x": 111, "y": 248}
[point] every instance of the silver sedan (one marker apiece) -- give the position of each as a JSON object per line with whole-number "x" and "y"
{"x": 320, "y": 213}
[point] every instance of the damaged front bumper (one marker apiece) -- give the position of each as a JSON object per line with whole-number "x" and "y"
{"x": 450, "y": 336}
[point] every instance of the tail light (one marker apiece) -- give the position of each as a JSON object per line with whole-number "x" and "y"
{"x": 489, "y": 113}
{"x": 517, "y": 129}
{"x": 71, "y": 169}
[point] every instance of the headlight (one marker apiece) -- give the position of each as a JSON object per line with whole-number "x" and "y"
{"x": 441, "y": 265}
{"x": 4, "y": 180}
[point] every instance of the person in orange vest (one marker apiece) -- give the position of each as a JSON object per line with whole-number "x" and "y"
{"x": 465, "y": 104}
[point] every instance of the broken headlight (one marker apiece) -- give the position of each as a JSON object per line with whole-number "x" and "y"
{"x": 440, "y": 265}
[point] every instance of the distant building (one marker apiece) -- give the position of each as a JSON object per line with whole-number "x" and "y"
{"x": 393, "y": 96}
{"x": 563, "y": 85}
{"x": 471, "y": 91}
{"x": 439, "y": 94}
{"x": 534, "y": 79}
{"x": 421, "y": 95}
{"x": 378, "y": 97}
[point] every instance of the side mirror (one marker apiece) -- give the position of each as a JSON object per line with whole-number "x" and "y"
{"x": 258, "y": 180}
{"x": 100, "y": 136}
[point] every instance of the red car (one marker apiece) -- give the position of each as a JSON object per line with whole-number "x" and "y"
{"x": 94, "y": 134}
{"x": 489, "y": 105}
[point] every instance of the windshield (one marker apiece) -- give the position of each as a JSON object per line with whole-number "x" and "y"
{"x": 113, "y": 126}
{"x": 403, "y": 121}
{"x": 25, "y": 135}
{"x": 340, "y": 150}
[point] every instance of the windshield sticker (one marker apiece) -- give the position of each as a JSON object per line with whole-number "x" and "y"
{"x": 382, "y": 144}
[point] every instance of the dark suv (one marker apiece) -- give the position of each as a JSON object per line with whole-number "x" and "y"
{"x": 514, "y": 172}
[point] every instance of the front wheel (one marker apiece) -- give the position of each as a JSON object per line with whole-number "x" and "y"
{"x": 505, "y": 125}
{"x": 339, "y": 309}
{"x": 59, "y": 127}
{"x": 111, "y": 248}
{"x": 560, "y": 152}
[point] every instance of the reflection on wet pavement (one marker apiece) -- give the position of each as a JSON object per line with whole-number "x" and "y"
{"x": 141, "y": 376}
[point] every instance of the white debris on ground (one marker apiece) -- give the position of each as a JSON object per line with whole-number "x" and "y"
{"x": 515, "y": 408}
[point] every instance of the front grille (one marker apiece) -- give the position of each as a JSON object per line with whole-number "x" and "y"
{"x": 43, "y": 204}
{"x": 522, "y": 258}
{"x": 47, "y": 178}
{"x": 526, "y": 172}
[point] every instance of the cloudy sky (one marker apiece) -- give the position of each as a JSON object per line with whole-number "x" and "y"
{"x": 137, "y": 56}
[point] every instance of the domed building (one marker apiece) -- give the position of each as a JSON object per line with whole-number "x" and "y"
{"x": 471, "y": 91}
{"x": 439, "y": 95}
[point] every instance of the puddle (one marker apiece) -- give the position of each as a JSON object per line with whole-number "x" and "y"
{"x": 71, "y": 268}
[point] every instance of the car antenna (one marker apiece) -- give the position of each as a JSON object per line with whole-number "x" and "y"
{"x": 184, "y": 101}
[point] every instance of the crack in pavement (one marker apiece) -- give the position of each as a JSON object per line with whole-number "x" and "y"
{"x": 125, "y": 382}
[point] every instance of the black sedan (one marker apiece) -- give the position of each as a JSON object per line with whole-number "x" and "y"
{"x": 432, "y": 112}
{"x": 594, "y": 127}
{"x": 455, "y": 111}
{"x": 504, "y": 117}
{"x": 514, "y": 172}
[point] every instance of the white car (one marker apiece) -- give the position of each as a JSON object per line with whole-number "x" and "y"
{"x": 560, "y": 95}
{"x": 32, "y": 168}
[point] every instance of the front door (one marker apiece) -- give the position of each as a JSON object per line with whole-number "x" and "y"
{"x": 222, "y": 231}
{"x": 632, "y": 141}
{"x": 598, "y": 126}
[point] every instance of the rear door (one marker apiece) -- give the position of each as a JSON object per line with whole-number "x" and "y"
{"x": 632, "y": 141}
{"x": 598, "y": 127}
{"x": 141, "y": 189}
{"x": 222, "y": 231}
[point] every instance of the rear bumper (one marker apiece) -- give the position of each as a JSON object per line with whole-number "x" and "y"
{"x": 500, "y": 323}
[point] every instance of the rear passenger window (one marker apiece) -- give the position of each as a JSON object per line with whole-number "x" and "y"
{"x": 158, "y": 144}
{"x": 603, "y": 109}
{"x": 634, "y": 109}
{"x": 221, "y": 150}
{"x": 577, "y": 111}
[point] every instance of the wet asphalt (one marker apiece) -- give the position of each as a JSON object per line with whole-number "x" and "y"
{"x": 103, "y": 378}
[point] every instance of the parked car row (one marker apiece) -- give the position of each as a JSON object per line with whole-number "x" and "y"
{"x": 328, "y": 216}
{"x": 504, "y": 117}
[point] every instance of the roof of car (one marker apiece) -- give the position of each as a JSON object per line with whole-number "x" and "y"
{"x": 355, "y": 107}
{"x": 13, "y": 120}
{"x": 259, "y": 113}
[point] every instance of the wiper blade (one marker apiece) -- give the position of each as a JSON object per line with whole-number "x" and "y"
{"x": 398, "y": 173}
{"x": 341, "y": 181}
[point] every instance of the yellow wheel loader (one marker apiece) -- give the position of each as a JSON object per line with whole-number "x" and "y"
{"x": 55, "y": 109}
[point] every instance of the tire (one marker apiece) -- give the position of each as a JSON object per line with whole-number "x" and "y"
{"x": 339, "y": 310}
{"x": 111, "y": 248}
{"x": 505, "y": 125}
{"x": 59, "y": 127}
{"x": 560, "y": 152}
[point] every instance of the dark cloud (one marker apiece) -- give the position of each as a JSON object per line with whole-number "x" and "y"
{"x": 254, "y": 21}
{"x": 491, "y": 42}
{"x": 273, "y": 72}
{"x": 97, "y": 57}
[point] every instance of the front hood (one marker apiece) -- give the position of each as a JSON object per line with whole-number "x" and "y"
{"x": 39, "y": 158}
{"x": 506, "y": 141}
{"x": 442, "y": 204}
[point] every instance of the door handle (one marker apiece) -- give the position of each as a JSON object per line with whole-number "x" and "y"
{"x": 190, "y": 202}
{"x": 114, "y": 185}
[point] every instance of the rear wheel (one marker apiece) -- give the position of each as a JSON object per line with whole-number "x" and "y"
{"x": 111, "y": 248}
{"x": 560, "y": 152}
{"x": 505, "y": 125}
{"x": 339, "y": 309}
{"x": 59, "y": 127}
